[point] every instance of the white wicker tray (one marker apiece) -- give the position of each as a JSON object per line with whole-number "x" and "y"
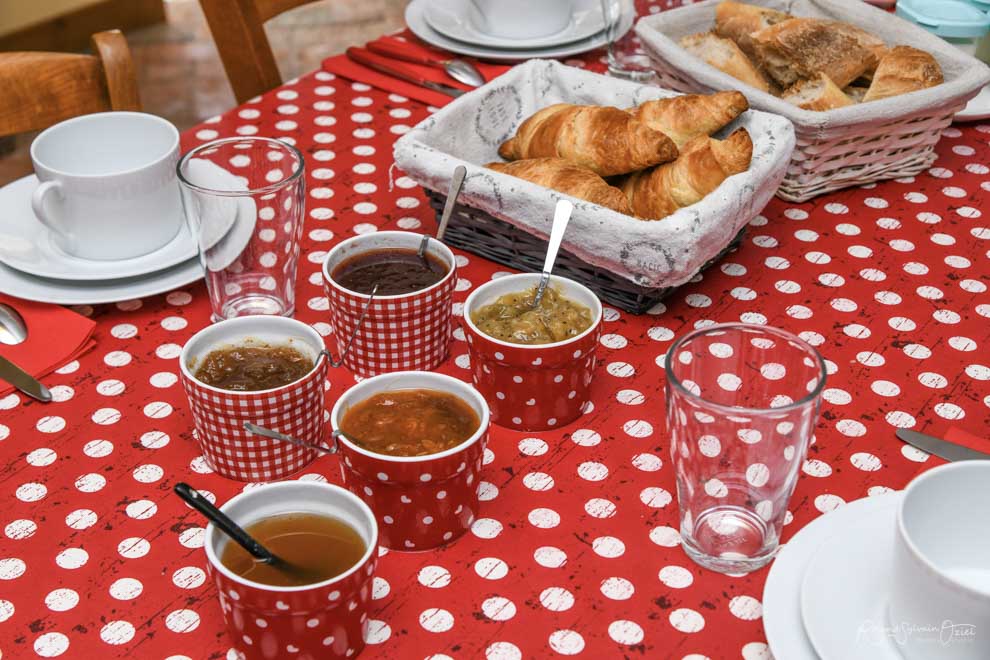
{"x": 663, "y": 253}
{"x": 849, "y": 146}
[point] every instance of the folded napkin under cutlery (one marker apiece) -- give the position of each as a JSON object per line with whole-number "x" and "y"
{"x": 56, "y": 336}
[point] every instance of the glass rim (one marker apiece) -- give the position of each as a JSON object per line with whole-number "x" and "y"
{"x": 811, "y": 396}
{"x": 271, "y": 187}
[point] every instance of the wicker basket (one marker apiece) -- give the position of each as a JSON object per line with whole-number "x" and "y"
{"x": 850, "y": 146}
{"x": 485, "y": 235}
{"x": 631, "y": 263}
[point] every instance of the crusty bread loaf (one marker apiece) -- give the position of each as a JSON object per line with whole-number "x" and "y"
{"x": 738, "y": 21}
{"x": 607, "y": 141}
{"x": 565, "y": 177}
{"x": 725, "y": 55}
{"x": 904, "y": 69}
{"x": 804, "y": 47}
{"x": 685, "y": 117}
{"x": 818, "y": 93}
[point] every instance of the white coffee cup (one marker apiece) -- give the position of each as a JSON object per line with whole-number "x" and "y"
{"x": 108, "y": 186}
{"x": 940, "y": 597}
{"x": 522, "y": 19}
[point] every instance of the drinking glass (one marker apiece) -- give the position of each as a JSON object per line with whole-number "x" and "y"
{"x": 244, "y": 200}
{"x": 626, "y": 57}
{"x": 742, "y": 401}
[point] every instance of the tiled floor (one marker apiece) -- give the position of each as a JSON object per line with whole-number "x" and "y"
{"x": 180, "y": 74}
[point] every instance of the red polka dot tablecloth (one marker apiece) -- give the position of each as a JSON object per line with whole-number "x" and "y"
{"x": 576, "y": 551}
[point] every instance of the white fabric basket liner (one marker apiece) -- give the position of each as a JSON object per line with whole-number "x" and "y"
{"x": 964, "y": 75}
{"x": 661, "y": 253}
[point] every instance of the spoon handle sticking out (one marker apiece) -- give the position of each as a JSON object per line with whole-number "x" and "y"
{"x": 561, "y": 216}
{"x": 275, "y": 435}
{"x": 193, "y": 498}
{"x": 456, "y": 182}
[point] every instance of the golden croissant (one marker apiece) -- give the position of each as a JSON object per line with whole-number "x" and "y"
{"x": 684, "y": 118}
{"x": 606, "y": 140}
{"x": 703, "y": 165}
{"x": 570, "y": 179}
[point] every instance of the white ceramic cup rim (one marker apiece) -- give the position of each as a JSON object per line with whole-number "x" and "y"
{"x": 456, "y": 387}
{"x": 444, "y": 250}
{"x": 45, "y": 134}
{"x": 940, "y": 472}
{"x": 331, "y": 490}
{"x": 472, "y": 300}
{"x": 240, "y": 320}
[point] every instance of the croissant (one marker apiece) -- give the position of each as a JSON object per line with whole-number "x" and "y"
{"x": 902, "y": 70}
{"x": 606, "y": 140}
{"x": 703, "y": 165}
{"x": 684, "y": 118}
{"x": 570, "y": 179}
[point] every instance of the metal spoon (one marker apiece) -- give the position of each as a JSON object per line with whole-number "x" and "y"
{"x": 193, "y": 498}
{"x": 463, "y": 71}
{"x": 275, "y": 435}
{"x": 561, "y": 216}
{"x": 13, "y": 331}
{"x": 448, "y": 209}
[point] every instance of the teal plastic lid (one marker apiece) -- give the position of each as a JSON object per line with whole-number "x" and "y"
{"x": 946, "y": 18}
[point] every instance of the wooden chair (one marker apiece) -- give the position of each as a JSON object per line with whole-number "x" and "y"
{"x": 238, "y": 28}
{"x": 41, "y": 89}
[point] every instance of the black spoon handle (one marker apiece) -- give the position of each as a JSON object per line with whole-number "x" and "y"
{"x": 193, "y": 498}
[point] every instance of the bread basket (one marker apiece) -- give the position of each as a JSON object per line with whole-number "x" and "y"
{"x": 629, "y": 263}
{"x": 849, "y": 146}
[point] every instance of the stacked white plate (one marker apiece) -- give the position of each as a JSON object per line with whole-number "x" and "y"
{"x": 32, "y": 267}
{"x": 826, "y": 594}
{"x": 448, "y": 24}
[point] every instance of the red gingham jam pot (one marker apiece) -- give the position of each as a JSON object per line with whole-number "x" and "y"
{"x": 421, "y": 502}
{"x": 219, "y": 415}
{"x": 327, "y": 619}
{"x": 533, "y": 387}
{"x": 402, "y": 332}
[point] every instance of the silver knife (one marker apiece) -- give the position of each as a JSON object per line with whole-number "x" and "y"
{"x": 941, "y": 448}
{"x": 23, "y": 381}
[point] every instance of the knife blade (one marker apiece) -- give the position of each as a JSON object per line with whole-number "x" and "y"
{"x": 23, "y": 381}
{"x": 398, "y": 70}
{"x": 950, "y": 451}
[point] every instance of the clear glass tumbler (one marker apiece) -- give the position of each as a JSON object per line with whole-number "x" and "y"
{"x": 742, "y": 401}
{"x": 244, "y": 202}
{"x": 626, "y": 57}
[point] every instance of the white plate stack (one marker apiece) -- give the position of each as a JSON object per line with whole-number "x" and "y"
{"x": 459, "y": 27}
{"x": 33, "y": 267}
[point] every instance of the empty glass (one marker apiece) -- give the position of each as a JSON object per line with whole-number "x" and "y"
{"x": 243, "y": 199}
{"x": 626, "y": 57}
{"x": 742, "y": 401}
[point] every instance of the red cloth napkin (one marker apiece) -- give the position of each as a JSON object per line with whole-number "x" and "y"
{"x": 56, "y": 336}
{"x": 959, "y": 437}
{"x": 343, "y": 66}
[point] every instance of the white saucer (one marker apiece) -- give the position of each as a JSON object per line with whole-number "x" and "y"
{"x": 70, "y": 292}
{"x": 782, "y": 621}
{"x": 27, "y": 245}
{"x": 845, "y": 587}
{"x": 416, "y": 20}
{"x": 452, "y": 18}
{"x": 977, "y": 108}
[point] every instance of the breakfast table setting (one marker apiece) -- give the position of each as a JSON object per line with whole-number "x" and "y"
{"x": 630, "y": 329}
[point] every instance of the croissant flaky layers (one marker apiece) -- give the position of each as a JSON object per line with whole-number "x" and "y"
{"x": 605, "y": 140}
{"x": 703, "y": 165}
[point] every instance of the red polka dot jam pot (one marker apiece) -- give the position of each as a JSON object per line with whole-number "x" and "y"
{"x": 399, "y": 332}
{"x": 219, "y": 415}
{"x": 327, "y": 619}
{"x": 540, "y": 386}
{"x": 420, "y": 502}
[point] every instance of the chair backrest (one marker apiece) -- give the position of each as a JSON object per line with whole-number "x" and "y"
{"x": 41, "y": 89}
{"x": 238, "y": 28}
